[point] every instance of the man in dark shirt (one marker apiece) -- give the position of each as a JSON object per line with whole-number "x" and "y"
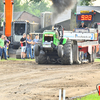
{"x": 82, "y": 25}
{"x": 23, "y": 46}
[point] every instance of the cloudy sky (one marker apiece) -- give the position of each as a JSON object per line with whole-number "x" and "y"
{"x": 96, "y": 3}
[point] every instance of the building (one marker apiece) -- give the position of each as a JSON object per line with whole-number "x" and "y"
{"x": 63, "y": 19}
{"x": 22, "y": 16}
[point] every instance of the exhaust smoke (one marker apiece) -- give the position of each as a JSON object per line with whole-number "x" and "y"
{"x": 61, "y": 5}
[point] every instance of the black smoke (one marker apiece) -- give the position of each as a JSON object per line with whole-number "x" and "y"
{"x": 62, "y": 5}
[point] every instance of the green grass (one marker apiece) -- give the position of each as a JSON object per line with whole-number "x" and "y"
{"x": 97, "y": 60}
{"x": 91, "y": 97}
{"x": 14, "y": 59}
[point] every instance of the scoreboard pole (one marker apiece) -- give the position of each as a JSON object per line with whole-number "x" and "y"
{"x": 8, "y": 15}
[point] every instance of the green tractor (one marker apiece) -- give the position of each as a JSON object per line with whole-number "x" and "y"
{"x": 53, "y": 48}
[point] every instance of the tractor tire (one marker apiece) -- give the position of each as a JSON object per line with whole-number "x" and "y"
{"x": 60, "y": 51}
{"x": 91, "y": 57}
{"x": 67, "y": 59}
{"x": 37, "y": 50}
{"x": 18, "y": 57}
{"x": 18, "y": 54}
{"x": 80, "y": 57}
{"x": 42, "y": 58}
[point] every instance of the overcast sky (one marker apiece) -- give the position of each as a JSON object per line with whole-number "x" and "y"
{"x": 96, "y": 3}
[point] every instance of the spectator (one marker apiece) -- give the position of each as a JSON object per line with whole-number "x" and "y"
{"x": 6, "y": 44}
{"x": 82, "y": 25}
{"x": 28, "y": 46}
{"x": 35, "y": 41}
{"x": 23, "y": 46}
{"x": 1, "y": 46}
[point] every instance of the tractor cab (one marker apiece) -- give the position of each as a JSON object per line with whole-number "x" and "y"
{"x": 54, "y": 37}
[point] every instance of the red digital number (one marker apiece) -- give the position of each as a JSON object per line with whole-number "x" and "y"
{"x": 90, "y": 17}
{"x": 82, "y": 17}
{"x": 86, "y": 17}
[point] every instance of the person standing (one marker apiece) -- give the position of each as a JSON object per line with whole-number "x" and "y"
{"x": 35, "y": 41}
{"x": 28, "y": 46}
{"x": 1, "y": 46}
{"x": 6, "y": 44}
{"x": 23, "y": 46}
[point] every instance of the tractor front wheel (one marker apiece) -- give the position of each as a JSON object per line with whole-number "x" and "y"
{"x": 60, "y": 51}
{"x": 42, "y": 58}
{"x": 37, "y": 50}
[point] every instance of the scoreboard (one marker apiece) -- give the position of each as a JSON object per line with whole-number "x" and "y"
{"x": 84, "y": 17}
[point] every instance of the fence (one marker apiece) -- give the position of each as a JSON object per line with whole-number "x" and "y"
{"x": 62, "y": 95}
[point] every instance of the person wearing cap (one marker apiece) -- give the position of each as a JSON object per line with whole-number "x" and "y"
{"x": 35, "y": 41}
{"x": 82, "y": 25}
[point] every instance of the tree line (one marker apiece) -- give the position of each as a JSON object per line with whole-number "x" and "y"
{"x": 35, "y": 7}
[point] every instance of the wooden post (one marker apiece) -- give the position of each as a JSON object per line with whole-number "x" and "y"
{"x": 62, "y": 94}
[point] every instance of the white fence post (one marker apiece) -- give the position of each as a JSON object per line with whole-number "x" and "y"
{"x": 64, "y": 94}
{"x": 60, "y": 94}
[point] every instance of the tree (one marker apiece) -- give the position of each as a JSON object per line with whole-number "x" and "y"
{"x": 36, "y": 8}
{"x": 17, "y": 6}
{"x": 87, "y": 2}
{"x": 1, "y": 5}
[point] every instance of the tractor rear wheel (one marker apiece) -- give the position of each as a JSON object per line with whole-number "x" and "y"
{"x": 67, "y": 59}
{"x": 18, "y": 54}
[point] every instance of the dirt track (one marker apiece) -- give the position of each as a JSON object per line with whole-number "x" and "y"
{"x": 25, "y": 80}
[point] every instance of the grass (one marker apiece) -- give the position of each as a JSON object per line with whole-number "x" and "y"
{"x": 91, "y": 97}
{"x": 14, "y": 59}
{"x": 97, "y": 60}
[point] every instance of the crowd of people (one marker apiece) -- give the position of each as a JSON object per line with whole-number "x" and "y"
{"x": 4, "y": 44}
{"x": 26, "y": 47}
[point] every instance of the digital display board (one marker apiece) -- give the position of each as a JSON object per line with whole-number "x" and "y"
{"x": 85, "y": 17}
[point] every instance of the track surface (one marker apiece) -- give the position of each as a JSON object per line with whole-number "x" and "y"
{"x": 26, "y": 80}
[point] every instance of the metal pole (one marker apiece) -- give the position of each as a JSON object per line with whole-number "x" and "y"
{"x": 4, "y": 20}
{"x": 12, "y": 10}
{"x": 4, "y": 12}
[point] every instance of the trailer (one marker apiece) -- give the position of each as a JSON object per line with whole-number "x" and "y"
{"x": 69, "y": 47}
